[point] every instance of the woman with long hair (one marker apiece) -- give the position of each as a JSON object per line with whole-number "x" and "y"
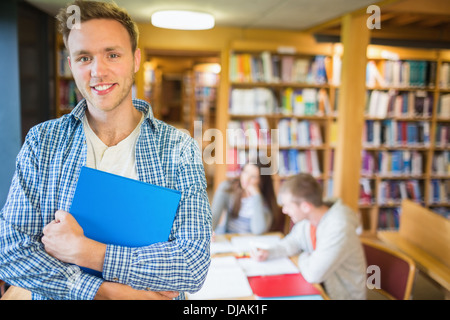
{"x": 246, "y": 204}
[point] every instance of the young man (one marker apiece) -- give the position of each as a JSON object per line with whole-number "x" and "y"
{"x": 331, "y": 252}
{"x": 41, "y": 242}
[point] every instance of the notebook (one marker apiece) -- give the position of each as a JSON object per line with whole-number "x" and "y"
{"x": 285, "y": 285}
{"x": 117, "y": 210}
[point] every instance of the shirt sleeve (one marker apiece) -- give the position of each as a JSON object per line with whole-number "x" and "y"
{"x": 23, "y": 260}
{"x": 294, "y": 243}
{"x": 180, "y": 264}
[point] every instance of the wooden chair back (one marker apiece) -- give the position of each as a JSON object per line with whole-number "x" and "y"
{"x": 397, "y": 270}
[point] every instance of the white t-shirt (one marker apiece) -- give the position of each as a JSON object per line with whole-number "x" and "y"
{"x": 119, "y": 159}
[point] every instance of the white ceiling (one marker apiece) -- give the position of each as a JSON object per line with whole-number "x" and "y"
{"x": 271, "y": 14}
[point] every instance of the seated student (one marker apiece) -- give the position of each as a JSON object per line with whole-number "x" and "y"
{"x": 249, "y": 204}
{"x": 331, "y": 252}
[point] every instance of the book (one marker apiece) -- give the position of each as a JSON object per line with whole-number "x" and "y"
{"x": 225, "y": 280}
{"x": 117, "y": 210}
{"x": 285, "y": 285}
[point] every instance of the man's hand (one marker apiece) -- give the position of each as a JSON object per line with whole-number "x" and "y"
{"x": 259, "y": 254}
{"x": 64, "y": 239}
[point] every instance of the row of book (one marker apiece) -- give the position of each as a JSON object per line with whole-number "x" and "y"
{"x": 443, "y": 111}
{"x": 400, "y": 163}
{"x": 63, "y": 64}
{"x": 305, "y": 102}
{"x": 248, "y": 133}
{"x": 395, "y": 191}
{"x": 394, "y": 103}
{"x": 205, "y": 103}
{"x": 298, "y": 102}
{"x": 444, "y": 77}
{"x": 401, "y": 73}
{"x": 389, "y": 218}
{"x": 69, "y": 95}
{"x": 237, "y": 158}
{"x": 365, "y": 192}
{"x": 301, "y": 133}
{"x": 441, "y": 163}
{"x": 294, "y": 161}
{"x": 275, "y": 68}
{"x": 442, "y": 135}
{"x": 439, "y": 191}
{"x": 254, "y": 101}
{"x": 392, "y": 192}
{"x": 392, "y": 163}
{"x": 393, "y": 133}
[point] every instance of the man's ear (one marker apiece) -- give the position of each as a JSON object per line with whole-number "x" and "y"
{"x": 70, "y": 63}
{"x": 305, "y": 206}
{"x": 137, "y": 59}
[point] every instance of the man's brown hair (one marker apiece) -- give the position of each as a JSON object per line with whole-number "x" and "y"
{"x": 303, "y": 187}
{"x": 98, "y": 10}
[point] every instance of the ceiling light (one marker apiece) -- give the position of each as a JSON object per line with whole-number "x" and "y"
{"x": 182, "y": 20}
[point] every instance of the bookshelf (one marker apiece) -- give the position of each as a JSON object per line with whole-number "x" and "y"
{"x": 282, "y": 109}
{"x": 67, "y": 93}
{"x": 199, "y": 78}
{"x": 205, "y": 81}
{"x": 405, "y": 137}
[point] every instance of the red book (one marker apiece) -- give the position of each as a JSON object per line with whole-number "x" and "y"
{"x": 284, "y": 285}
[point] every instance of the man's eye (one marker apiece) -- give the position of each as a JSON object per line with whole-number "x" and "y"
{"x": 113, "y": 55}
{"x": 83, "y": 59}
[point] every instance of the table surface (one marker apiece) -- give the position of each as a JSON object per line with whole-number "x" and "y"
{"x": 16, "y": 293}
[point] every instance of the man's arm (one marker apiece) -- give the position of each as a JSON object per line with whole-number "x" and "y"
{"x": 64, "y": 239}
{"x": 23, "y": 260}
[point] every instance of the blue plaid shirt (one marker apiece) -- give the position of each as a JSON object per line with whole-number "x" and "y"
{"x": 44, "y": 181}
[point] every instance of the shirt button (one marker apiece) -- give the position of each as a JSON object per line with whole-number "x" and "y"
{"x": 115, "y": 279}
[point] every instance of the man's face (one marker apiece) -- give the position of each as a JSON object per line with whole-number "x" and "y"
{"x": 293, "y": 208}
{"x": 102, "y": 62}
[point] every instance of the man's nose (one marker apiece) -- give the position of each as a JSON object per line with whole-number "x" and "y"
{"x": 98, "y": 68}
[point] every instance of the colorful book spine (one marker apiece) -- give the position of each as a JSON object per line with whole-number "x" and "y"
{"x": 275, "y": 68}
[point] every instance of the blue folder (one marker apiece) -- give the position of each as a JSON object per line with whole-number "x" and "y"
{"x": 117, "y": 210}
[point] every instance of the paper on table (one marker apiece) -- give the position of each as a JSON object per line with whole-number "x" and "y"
{"x": 225, "y": 280}
{"x": 246, "y": 243}
{"x": 253, "y": 267}
{"x": 223, "y": 246}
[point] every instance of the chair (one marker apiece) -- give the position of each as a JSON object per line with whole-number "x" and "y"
{"x": 397, "y": 270}
{"x": 2, "y": 287}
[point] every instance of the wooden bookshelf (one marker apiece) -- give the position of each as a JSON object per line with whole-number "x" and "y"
{"x": 67, "y": 93}
{"x": 287, "y": 96}
{"x": 199, "y": 78}
{"x": 403, "y": 156}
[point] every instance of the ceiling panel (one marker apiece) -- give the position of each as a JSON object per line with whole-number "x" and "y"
{"x": 272, "y": 14}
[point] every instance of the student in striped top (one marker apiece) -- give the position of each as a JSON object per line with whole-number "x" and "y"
{"x": 246, "y": 204}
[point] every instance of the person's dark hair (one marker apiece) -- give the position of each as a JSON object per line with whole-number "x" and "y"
{"x": 267, "y": 192}
{"x": 98, "y": 10}
{"x": 303, "y": 187}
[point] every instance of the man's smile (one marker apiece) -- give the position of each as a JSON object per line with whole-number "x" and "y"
{"x": 103, "y": 88}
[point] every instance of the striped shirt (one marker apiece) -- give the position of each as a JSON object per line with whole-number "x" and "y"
{"x": 241, "y": 224}
{"x": 44, "y": 181}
